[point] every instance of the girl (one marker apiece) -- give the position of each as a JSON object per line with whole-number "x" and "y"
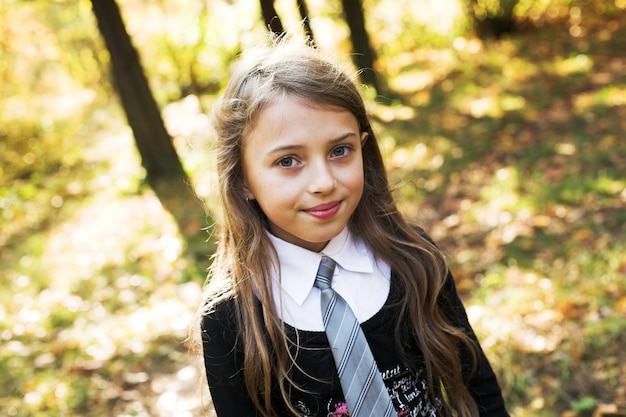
{"x": 301, "y": 177}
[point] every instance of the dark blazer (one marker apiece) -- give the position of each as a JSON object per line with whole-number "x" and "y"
{"x": 318, "y": 391}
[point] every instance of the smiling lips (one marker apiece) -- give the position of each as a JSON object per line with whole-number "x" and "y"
{"x": 324, "y": 211}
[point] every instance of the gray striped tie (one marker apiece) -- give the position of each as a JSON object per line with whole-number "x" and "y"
{"x": 362, "y": 384}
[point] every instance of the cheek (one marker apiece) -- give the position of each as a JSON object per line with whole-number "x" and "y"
{"x": 355, "y": 184}
{"x": 270, "y": 191}
{"x": 253, "y": 186}
{"x": 359, "y": 176}
{"x": 361, "y": 184}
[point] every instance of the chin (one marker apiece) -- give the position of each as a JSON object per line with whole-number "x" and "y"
{"x": 324, "y": 238}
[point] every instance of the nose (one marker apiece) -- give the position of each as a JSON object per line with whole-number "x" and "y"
{"x": 322, "y": 180}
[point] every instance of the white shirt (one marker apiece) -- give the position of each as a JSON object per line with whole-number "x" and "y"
{"x": 360, "y": 279}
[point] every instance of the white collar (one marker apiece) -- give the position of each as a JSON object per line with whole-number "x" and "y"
{"x": 299, "y": 265}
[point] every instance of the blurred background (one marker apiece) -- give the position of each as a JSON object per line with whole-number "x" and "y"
{"x": 502, "y": 124}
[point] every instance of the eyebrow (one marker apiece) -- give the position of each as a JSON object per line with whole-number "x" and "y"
{"x": 283, "y": 148}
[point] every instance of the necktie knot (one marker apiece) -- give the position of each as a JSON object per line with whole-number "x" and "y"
{"x": 325, "y": 273}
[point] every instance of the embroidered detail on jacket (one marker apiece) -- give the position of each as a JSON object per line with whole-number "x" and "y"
{"x": 301, "y": 406}
{"x": 409, "y": 393}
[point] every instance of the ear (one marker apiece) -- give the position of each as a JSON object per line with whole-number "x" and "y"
{"x": 364, "y": 136}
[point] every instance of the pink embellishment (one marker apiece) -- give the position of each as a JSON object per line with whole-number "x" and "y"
{"x": 341, "y": 410}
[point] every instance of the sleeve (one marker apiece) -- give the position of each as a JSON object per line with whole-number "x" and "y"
{"x": 223, "y": 361}
{"x": 482, "y": 383}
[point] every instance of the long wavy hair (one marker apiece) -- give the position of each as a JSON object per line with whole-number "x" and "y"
{"x": 242, "y": 265}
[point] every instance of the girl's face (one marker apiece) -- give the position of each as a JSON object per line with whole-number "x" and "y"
{"x": 303, "y": 165}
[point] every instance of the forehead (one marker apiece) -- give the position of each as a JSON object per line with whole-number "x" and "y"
{"x": 292, "y": 119}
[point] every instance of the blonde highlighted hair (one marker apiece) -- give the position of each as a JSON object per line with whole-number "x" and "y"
{"x": 244, "y": 259}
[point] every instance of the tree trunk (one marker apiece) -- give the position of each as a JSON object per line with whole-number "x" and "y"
{"x": 270, "y": 17}
{"x": 304, "y": 15}
{"x": 164, "y": 170}
{"x": 492, "y": 20}
{"x": 158, "y": 155}
{"x": 364, "y": 56}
